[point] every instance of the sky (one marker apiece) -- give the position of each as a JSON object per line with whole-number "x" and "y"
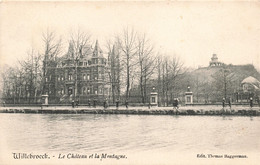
{"x": 191, "y": 30}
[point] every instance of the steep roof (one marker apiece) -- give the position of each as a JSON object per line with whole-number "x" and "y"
{"x": 97, "y": 51}
{"x": 70, "y": 53}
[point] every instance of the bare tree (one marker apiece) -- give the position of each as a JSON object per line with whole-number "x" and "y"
{"x": 9, "y": 85}
{"x": 146, "y": 63}
{"x": 79, "y": 41}
{"x": 52, "y": 48}
{"x": 223, "y": 82}
{"x": 31, "y": 70}
{"x": 169, "y": 68}
{"x": 52, "y": 45}
{"x": 159, "y": 74}
{"x": 115, "y": 69}
{"x": 127, "y": 46}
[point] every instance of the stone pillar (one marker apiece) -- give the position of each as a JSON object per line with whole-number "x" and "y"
{"x": 154, "y": 99}
{"x": 45, "y": 99}
{"x": 188, "y": 97}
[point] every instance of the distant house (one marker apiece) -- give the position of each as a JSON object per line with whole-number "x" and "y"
{"x": 250, "y": 84}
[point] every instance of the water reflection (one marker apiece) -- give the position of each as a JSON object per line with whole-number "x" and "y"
{"x": 132, "y": 133}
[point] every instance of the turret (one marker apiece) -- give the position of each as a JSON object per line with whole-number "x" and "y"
{"x": 70, "y": 53}
{"x": 97, "y": 51}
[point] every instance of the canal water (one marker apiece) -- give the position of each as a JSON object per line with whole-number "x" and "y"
{"x": 129, "y": 133}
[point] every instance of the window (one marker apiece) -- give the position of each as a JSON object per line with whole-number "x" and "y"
{"x": 83, "y": 90}
{"x": 84, "y": 77}
{"x": 88, "y": 90}
{"x": 105, "y": 91}
{"x": 62, "y": 91}
{"x": 46, "y": 79}
{"x": 88, "y": 77}
{"x": 58, "y": 78}
{"x": 70, "y": 91}
{"x": 100, "y": 90}
{"x": 70, "y": 77}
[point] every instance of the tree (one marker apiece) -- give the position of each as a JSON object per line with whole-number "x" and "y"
{"x": 9, "y": 77}
{"x": 115, "y": 69}
{"x": 202, "y": 88}
{"x": 31, "y": 70}
{"x": 169, "y": 68}
{"x": 52, "y": 48}
{"x": 79, "y": 42}
{"x": 223, "y": 80}
{"x": 127, "y": 45}
{"x": 146, "y": 62}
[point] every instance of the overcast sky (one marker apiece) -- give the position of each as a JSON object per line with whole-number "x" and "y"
{"x": 193, "y": 31}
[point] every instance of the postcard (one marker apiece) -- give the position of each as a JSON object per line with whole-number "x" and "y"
{"x": 129, "y": 82}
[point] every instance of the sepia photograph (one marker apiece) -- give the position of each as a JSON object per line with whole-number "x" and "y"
{"x": 129, "y": 82}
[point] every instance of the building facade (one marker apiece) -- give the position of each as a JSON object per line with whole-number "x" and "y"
{"x": 83, "y": 77}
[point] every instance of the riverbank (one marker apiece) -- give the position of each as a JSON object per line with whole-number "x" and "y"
{"x": 184, "y": 110}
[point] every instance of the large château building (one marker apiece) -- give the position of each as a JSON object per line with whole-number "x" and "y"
{"x": 82, "y": 77}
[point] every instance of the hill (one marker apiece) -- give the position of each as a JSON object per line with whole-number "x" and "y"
{"x": 215, "y": 82}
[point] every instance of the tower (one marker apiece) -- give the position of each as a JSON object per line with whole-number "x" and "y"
{"x": 214, "y": 61}
{"x": 98, "y": 73}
